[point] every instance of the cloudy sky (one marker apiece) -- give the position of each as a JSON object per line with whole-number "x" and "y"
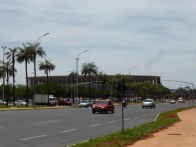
{"x": 142, "y": 37}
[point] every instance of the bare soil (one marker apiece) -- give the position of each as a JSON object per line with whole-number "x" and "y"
{"x": 181, "y": 134}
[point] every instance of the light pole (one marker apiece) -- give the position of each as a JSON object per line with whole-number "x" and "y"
{"x": 4, "y": 47}
{"x": 77, "y": 59}
{"x": 35, "y": 78}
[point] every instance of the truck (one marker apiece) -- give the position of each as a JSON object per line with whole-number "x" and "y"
{"x": 42, "y": 99}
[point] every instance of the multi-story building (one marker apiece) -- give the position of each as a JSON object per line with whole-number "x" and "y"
{"x": 67, "y": 81}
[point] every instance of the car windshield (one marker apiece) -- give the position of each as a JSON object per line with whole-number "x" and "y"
{"x": 101, "y": 103}
{"x": 84, "y": 101}
{"x": 147, "y": 100}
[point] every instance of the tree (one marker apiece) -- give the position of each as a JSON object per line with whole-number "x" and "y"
{"x": 37, "y": 51}
{"x": 6, "y": 68}
{"x": 47, "y": 66}
{"x": 25, "y": 54}
{"x": 11, "y": 56}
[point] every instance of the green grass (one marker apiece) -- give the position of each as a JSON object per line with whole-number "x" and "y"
{"x": 131, "y": 135}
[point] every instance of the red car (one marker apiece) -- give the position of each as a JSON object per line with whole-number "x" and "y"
{"x": 103, "y": 106}
{"x": 64, "y": 103}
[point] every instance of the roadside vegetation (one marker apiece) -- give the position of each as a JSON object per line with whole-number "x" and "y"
{"x": 129, "y": 136}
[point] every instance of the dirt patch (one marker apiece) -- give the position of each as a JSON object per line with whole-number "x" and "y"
{"x": 108, "y": 143}
{"x": 174, "y": 115}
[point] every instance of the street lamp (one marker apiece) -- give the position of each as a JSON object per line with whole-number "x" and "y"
{"x": 35, "y": 78}
{"x": 3, "y": 47}
{"x": 77, "y": 59}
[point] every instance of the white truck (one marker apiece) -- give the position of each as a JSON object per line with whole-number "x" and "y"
{"x": 42, "y": 99}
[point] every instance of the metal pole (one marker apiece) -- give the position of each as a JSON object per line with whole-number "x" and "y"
{"x": 4, "y": 47}
{"x": 77, "y": 59}
{"x": 35, "y": 77}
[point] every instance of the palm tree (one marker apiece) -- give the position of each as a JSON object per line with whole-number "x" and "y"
{"x": 11, "y": 55}
{"x": 7, "y": 68}
{"x": 25, "y": 54}
{"x": 89, "y": 69}
{"x": 47, "y": 66}
{"x": 37, "y": 51}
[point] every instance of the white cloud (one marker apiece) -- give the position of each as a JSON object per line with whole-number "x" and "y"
{"x": 118, "y": 34}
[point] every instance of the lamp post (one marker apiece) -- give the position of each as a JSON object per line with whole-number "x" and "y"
{"x": 4, "y": 47}
{"x": 77, "y": 59}
{"x": 35, "y": 78}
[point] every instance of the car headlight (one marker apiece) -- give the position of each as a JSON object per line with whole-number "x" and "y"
{"x": 102, "y": 107}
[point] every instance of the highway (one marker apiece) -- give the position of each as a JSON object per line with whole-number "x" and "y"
{"x": 64, "y": 127}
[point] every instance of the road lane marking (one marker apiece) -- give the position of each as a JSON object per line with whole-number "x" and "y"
{"x": 7, "y": 119}
{"x": 94, "y": 125}
{"x": 69, "y": 131}
{"x": 136, "y": 117}
{"x": 126, "y": 119}
{"x": 110, "y": 122}
{"x": 35, "y": 137}
{"x": 156, "y": 117}
{"x": 52, "y": 121}
{"x": 93, "y": 116}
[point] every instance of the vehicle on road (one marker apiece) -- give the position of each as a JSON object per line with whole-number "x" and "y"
{"x": 181, "y": 100}
{"x": 172, "y": 102}
{"x": 85, "y": 104}
{"x": 148, "y": 103}
{"x": 42, "y": 99}
{"x": 3, "y": 102}
{"x": 103, "y": 106}
{"x": 20, "y": 102}
{"x": 64, "y": 103}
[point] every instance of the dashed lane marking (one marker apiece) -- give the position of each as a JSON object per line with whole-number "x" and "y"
{"x": 94, "y": 125}
{"x": 69, "y": 131}
{"x": 34, "y": 137}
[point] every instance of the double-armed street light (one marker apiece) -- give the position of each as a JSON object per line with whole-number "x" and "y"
{"x": 77, "y": 59}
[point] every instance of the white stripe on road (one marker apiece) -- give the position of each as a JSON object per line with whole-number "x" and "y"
{"x": 126, "y": 119}
{"x": 94, "y": 125}
{"x": 7, "y": 119}
{"x": 24, "y": 139}
{"x": 69, "y": 131}
{"x": 94, "y": 116}
{"x": 136, "y": 117}
{"x": 156, "y": 117}
{"x": 52, "y": 121}
{"x": 110, "y": 122}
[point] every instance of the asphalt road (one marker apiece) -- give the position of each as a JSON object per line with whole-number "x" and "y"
{"x": 63, "y": 127}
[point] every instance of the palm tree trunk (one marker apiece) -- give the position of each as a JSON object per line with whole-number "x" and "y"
{"x": 35, "y": 77}
{"x": 13, "y": 60}
{"x": 48, "y": 87}
{"x": 27, "y": 86}
{"x": 7, "y": 86}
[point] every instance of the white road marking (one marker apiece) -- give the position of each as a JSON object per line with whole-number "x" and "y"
{"x": 94, "y": 125}
{"x": 24, "y": 139}
{"x": 69, "y": 131}
{"x": 156, "y": 117}
{"x": 136, "y": 117}
{"x": 126, "y": 119}
{"x": 7, "y": 119}
{"x": 52, "y": 121}
{"x": 110, "y": 122}
{"x": 93, "y": 116}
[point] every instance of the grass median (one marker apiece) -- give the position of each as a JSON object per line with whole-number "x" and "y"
{"x": 131, "y": 135}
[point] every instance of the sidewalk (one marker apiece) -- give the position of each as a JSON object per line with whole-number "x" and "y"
{"x": 181, "y": 134}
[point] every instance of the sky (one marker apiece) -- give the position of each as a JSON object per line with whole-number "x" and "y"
{"x": 137, "y": 37}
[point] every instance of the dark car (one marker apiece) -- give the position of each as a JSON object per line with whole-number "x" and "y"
{"x": 64, "y": 103}
{"x": 103, "y": 106}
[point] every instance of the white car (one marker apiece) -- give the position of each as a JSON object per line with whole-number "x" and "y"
{"x": 85, "y": 104}
{"x": 20, "y": 102}
{"x": 3, "y": 102}
{"x": 148, "y": 103}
